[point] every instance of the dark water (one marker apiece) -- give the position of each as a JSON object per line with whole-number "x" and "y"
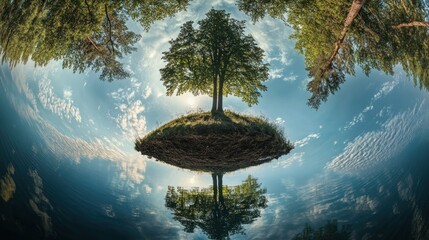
{"x": 47, "y": 196}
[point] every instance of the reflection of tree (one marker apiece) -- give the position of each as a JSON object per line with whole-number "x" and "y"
{"x": 219, "y": 211}
{"x": 86, "y": 34}
{"x": 329, "y": 231}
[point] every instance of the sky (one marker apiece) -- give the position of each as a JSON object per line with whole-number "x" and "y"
{"x": 362, "y": 128}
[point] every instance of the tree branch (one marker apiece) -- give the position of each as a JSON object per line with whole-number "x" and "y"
{"x": 412, "y": 24}
{"x": 405, "y": 7}
{"x": 353, "y": 12}
{"x": 110, "y": 29}
{"x": 93, "y": 43}
{"x": 89, "y": 9}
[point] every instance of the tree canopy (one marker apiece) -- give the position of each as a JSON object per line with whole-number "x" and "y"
{"x": 219, "y": 211}
{"x": 335, "y": 36}
{"x": 85, "y": 34}
{"x": 217, "y": 58}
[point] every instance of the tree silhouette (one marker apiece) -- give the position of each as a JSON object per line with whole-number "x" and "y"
{"x": 218, "y": 56}
{"x": 329, "y": 231}
{"x": 219, "y": 211}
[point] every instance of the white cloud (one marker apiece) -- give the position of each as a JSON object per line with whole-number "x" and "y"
{"x": 68, "y": 93}
{"x": 134, "y": 168}
{"x": 295, "y": 158}
{"x": 385, "y": 89}
{"x": 372, "y": 148}
{"x": 75, "y": 148}
{"x": 21, "y": 83}
{"x": 147, "y": 92}
{"x": 131, "y": 120}
{"x": 64, "y": 108}
{"x": 279, "y": 121}
{"x": 275, "y": 73}
{"x": 306, "y": 140}
{"x": 290, "y": 78}
{"x": 147, "y": 188}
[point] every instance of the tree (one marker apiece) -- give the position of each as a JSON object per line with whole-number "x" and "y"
{"x": 258, "y": 9}
{"x": 85, "y": 34}
{"x": 327, "y": 72}
{"x": 328, "y": 231}
{"x": 217, "y": 56}
{"x": 219, "y": 211}
{"x": 101, "y": 51}
{"x": 335, "y": 35}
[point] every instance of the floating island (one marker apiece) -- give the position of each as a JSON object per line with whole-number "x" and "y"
{"x": 222, "y": 142}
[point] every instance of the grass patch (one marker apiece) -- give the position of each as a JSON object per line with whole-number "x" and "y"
{"x": 220, "y": 143}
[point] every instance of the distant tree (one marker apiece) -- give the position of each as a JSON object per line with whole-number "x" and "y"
{"x": 329, "y": 231}
{"x": 85, "y": 34}
{"x": 217, "y": 56}
{"x": 259, "y": 9}
{"x": 219, "y": 211}
{"x": 146, "y": 12}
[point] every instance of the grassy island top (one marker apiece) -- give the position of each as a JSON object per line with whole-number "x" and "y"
{"x": 219, "y": 143}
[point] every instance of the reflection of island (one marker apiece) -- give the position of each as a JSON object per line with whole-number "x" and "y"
{"x": 219, "y": 211}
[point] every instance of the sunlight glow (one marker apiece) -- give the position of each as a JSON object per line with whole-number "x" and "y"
{"x": 191, "y": 101}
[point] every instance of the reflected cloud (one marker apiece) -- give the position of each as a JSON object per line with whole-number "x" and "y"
{"x": 129, "y": 103}
{"x": 67, "y": 146}
{"x": 64, "y": 108}
{"x": 295, "y": 158}
{"x": 40, "y": 204}
{"x": 372, "y": 148}
{"x": 147, "y": 188}
{"x": 306, "y": 140}
{"x": 406, "y": 193}
{"x": 385, "y": 89}
{"x": 7, "y": 184}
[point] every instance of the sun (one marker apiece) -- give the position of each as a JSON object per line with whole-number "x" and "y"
{"x": 191, "y": 100}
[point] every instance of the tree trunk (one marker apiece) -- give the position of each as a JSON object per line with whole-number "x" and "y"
{"x": 220, "y": 186}
{"x": 214, "y": 176}
{"x": 412, "y": 24}
{"x": 220, "y": 189}
{"x": 214, "y": 104}
{"x": 353, "y": 12}
{"x": 220, "y": 97}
